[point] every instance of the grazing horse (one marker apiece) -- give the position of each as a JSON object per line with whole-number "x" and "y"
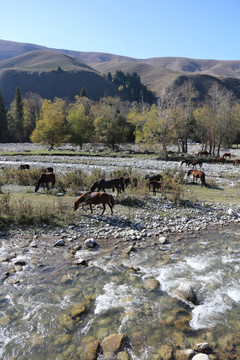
{"x": 44, "y": 180}
{"x": 156, "y": 185}
{"x": 24, "y": 167}
{"x": 95, "y": 198}
{"x": 187, "y": 162}
{"x": 129, "y": 180}
{"x": 49, "y": 169}
{"x": 194, "y": 163}
{"x": 236, "y": 162}
{"x": 227, "y": 155}
{"x": 103, "y": 184}
{"x": 203, "y": 152}
{"x": 197, "y": 174}
{"x": 219, "y": 160}
{"x": 157, "y": 177}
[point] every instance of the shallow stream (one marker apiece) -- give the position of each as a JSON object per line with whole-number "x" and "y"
{"x": 37, "y": 302}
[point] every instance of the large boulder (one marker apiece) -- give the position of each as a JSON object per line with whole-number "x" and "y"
{"x": 186, "y": 292}
{"x": 114, "y": 343}
{"x": 92, "y": 350}
{"x": 151, "y": 284}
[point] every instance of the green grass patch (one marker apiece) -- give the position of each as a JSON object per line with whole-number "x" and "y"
{"x": 214, "y": 194}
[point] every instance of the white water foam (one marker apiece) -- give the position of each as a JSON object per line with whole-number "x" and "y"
{"x": 114, "y": 297}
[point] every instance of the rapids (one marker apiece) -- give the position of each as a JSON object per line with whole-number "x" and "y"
{"x": 36, "y": 300}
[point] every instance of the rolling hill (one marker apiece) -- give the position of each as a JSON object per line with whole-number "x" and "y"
{"x": 51, "y": 74}
{"x": 34, "y": 68}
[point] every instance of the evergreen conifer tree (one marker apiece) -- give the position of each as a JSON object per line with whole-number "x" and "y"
{"x": 3, "y": 120}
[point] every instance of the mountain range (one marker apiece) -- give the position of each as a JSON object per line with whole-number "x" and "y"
{"x": 63, "y": 73}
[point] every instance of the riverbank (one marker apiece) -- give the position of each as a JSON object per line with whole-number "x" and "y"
{"x": 70, "y": 289}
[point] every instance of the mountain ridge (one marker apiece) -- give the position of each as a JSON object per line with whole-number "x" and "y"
{"x": 156, "y": 73}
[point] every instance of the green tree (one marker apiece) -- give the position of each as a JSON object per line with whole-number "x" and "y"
{"x": 16, "y": 118}
{"x": 32, "y": 109}
{"x": 110, "y": 122}
{"x": 83, "y": 92}
{"x": 3, "y": 120}
{"x": 51, "y": 129}
{"x": 81, "y": 127}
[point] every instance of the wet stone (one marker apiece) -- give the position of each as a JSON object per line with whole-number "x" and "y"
{"x": 113, "y": 344}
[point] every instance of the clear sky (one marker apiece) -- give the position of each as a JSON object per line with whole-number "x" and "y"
{"x": 198, "y": 29}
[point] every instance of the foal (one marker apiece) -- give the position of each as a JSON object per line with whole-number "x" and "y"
{"x": 44, "y": 180}
{"x": 197, "y": 174}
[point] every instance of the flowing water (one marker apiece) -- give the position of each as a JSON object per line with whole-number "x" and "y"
{"x": 37, "y": 303}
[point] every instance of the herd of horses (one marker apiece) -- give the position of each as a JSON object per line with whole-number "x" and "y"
{"x": 97, "y": 193}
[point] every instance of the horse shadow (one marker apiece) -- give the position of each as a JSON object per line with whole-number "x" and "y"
{"x": 115, "y": 221}
{"x": 209, "y": 186}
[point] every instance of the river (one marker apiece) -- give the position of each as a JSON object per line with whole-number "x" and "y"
{"x": 36, "y": 309}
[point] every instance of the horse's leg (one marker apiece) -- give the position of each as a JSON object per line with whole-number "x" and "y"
{"x": 91, "y": 208}
{"x": 110, "y": 207}
{"x": 104, "y": 208}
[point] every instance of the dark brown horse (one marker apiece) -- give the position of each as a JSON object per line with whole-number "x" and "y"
{"x": 156, "y": 185}
{"x": 219, "y": 160}
{"x": 236, "y": 162}
{"x": 194, "y": 163}
{"x": 197, "y": 174}
{"x": 203, "y": 152}
{"x": 227, "y": 155}
{"x": 157, "y": 177}
{"x": 103, "y": 184}
{"x": 24, "y": 167}
{"x": 44, "y": 180}
{"x": 130, "y": 180}
{"x": 187, "y": 162}
{"x": 95, "y": 198}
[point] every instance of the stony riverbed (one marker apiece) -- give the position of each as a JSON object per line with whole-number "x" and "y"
{"x": 87, "y": 273}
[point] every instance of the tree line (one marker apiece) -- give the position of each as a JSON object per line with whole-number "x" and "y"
{"x": 175, "y": 118}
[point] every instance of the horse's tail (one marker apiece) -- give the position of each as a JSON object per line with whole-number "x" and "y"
{"x": 37, "y": 185}
{"x": 111, "y": 200}
{"x": 53, "y": 180}
{"x": 203, "y": 179}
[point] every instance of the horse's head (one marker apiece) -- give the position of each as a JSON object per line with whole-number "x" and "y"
{"x": 94, "y": 186}
{"x": 189, "y": 172}
{"x": 75, "y": 205}
{"x": 37, "y": 187}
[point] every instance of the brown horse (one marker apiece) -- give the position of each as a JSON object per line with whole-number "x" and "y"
{"x": 227, "y": 155}
{"x": 187, "y": 162}
{"x": 129, "y": 180}
{"x": 157, "y": 177}
{"x": 24, "y": 167}
{"x": 156, "y": 185}
{"x": 197, "y": 174}
{"x": 44, "y": 180}
{"x": 219, "y": 160}
{"x": 203, "y": 152}
{"x": 194, "y": 163}
{"x": 236, "y": 162}
{"x": 95, "y": 198}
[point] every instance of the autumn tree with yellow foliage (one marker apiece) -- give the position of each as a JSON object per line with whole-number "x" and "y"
{"x": 51, "y": 129}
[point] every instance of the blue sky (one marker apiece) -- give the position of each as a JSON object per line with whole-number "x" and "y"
{"x": 206, "y": 29}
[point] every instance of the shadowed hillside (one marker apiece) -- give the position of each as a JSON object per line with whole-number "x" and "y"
{"x": 51, "y": 74}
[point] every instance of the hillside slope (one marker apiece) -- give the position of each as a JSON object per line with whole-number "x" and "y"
{"x": 51, "y": 74}
{"x": 35, "y": 69}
